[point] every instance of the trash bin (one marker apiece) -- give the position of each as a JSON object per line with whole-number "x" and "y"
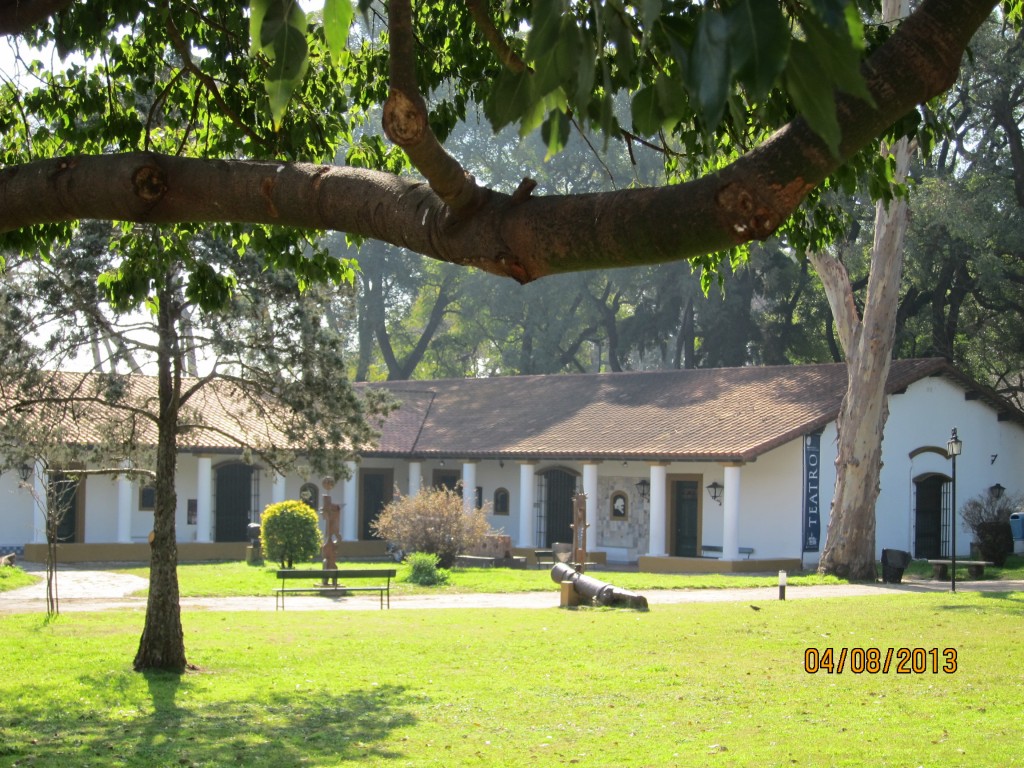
{"x": 894, "y": 562}
{"x": 1017, "y": 525}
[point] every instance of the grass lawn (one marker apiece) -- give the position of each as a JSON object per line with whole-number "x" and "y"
{"x": 12, "y": 578}
{"x": 237, "y": 579}
{"x": 696, "y": 684}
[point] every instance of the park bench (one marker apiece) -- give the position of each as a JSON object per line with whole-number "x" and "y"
{"x": 544, "y": 557}
{"x": 717, "y": 551}
{"x": 334, "y": 581}
{"x": 975, "y": 568}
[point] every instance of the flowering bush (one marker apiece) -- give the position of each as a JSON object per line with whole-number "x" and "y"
{"x": 433, "y": 521}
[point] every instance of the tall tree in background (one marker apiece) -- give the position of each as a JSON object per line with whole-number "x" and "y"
{"x": 867, "y": 338}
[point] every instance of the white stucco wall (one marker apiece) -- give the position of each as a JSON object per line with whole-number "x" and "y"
{"x": 17, "y": 512}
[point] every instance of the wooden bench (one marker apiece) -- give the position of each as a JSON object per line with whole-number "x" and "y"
{"x": 975, "y": 568}
{"x": 334, "y": 581}
{"x": 717, "y": 551}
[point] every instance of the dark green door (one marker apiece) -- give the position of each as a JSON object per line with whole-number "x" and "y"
{"x": 234, "y": 502}
{"x": 64, "y": 505}
{"x": 376, "y": 489}
{"x": 561, "y": 487}
{"x": 928, "y": 517}
{"x": 684, "y": 508}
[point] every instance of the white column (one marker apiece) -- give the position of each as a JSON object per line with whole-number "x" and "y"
{"x": 124, "y": 507}
{"x": 590, "y": 489}
{"x": 349, "y": 502}
{"x": 277, "y": 490}
{"x": 469, "y": 485}
{"x": 204, "y": 499}
{"x": 526, "y": 485}
{"x": 415, "y": 478}
{"x": 731, "y": 518}
{"x": 659, "y": 513}
{"x": 39, "y": 503}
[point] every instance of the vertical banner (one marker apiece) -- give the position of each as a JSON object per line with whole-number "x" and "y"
{"x": 812, "y": 487}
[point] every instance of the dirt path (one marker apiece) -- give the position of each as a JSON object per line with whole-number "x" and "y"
{"x": 90, "y": 588}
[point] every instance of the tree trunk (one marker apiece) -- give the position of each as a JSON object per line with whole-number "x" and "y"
{"x": 162, "y": 645}
{"x": 868, "y": 342}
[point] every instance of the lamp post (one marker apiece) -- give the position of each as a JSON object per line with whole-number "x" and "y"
{"x": 24, "y": 472}
{"x": 953, "y": 448}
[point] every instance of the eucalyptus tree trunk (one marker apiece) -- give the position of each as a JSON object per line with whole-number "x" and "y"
{"x": 867, "y": 343}
{"x": 162, "y": 645}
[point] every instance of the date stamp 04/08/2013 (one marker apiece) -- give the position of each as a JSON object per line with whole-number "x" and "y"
{"x": 874, "y": 661}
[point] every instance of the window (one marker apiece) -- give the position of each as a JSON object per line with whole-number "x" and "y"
{"x": 501, "y": 501}
{"x": 147, "y": 497}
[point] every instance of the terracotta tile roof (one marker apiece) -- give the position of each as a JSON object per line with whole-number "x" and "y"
{"x": 216, "y": 418}
{"x": 718, "y": 414}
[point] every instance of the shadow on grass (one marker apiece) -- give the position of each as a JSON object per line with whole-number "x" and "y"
{"x": 282, "y": 729}
{"x": 1011, "y": 603}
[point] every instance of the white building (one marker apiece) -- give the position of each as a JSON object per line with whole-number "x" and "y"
{"x": 648, "y": 449}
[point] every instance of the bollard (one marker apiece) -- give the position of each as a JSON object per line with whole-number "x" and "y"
{"x": 570, "y": 598}
{"x": 782, "y": 585}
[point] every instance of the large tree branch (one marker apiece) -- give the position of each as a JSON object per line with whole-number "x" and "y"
{"x": 543, "y": 235}
{"x": 19, "y": 16}
{"x": 406, "y": 124}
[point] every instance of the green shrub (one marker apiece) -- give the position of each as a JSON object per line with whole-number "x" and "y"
{"x": 424, "y": 570}
{"x": 290, "y": 532}
{"x": 995, "y": 541}
{"x": 435, "y": 521}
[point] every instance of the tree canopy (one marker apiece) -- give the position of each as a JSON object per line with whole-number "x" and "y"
{"x": 165, "y": 113}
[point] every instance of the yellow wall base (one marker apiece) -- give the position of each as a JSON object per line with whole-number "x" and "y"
{"x": 713, "y": 565}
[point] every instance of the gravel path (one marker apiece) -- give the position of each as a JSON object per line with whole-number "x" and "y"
{"x": 90, "y": 588}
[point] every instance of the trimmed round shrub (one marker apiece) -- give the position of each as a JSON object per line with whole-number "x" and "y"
{"x": 290, "y": 532}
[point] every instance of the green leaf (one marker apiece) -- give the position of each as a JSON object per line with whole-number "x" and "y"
{"x": 812, "y": 94}
{"x": 758, "y": 45}
{"x": 337, "y": 20}
{"x": 555, "y": 133}
{"x": 282, "y": 38}
{"x": 585, "y": 72}
{"x": 837, "y": 59}
{"x": 545, "y": 24}
{"x": 708, "y": 78}
{"x": 510, "y": 98}
{"x": 647, "y": 113}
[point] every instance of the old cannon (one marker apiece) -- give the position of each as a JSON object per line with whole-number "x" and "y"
{"x": 595, "y": 590}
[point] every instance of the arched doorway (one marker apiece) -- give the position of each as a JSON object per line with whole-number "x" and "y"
{"x": 236, "y": 497}
{"x": 557, "y": 488}
{"x": 932, "y": 516}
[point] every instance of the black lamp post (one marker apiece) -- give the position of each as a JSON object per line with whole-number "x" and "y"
{"x": 953, "y": 448}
